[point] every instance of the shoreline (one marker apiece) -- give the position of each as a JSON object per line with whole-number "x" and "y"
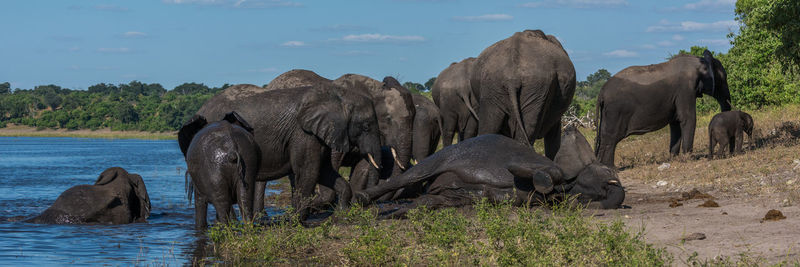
{"x": 27, "y": 131}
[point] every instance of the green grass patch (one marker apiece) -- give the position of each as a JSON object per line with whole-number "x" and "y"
{"x": 488, "y": 234}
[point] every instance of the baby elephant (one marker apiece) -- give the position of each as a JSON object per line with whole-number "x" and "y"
{"x": 222, "y": 160}
{"x": 726, "y": 129}
{"x": 117, "y": 197}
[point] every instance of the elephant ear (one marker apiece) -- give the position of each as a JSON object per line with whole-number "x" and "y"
{"x": 188, "y": 130}
{"x": 137, "y": 183}
{"x": 323, "y": 115}
{"x": 543, "y": 178}
{"x": 110, "y": 175}
{"x": 708, "y": 59}
{"x": 235, "y": 118}
{"x": 574, "y": 154}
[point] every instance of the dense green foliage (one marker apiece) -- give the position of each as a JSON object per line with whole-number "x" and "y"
{"x": 132, "y": 106}
{"x": 496, "y": 235}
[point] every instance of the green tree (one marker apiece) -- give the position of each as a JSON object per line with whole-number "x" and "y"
{"x": 5, "y": 88}
{"x": 429, "y": 83}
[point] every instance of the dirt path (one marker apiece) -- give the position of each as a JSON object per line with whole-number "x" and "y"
{"x": 733, "y": 228}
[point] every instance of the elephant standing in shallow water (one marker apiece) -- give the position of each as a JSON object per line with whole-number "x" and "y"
{"x": 501, "y": 169}
{"x": 642, "y": 99}
{"x": 222, "y": 161}
{"x": 117, "y": 197}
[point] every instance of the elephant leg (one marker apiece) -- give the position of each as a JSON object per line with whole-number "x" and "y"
{"x": 200, "y": 211}
{"x": 448, "y": 130}
{"x": 731, "y": 145}
{"x": 724, "y": 144}
{"x": 359, "y": 176}
{"x": 739, "y": 141}
{"x": 333, "y": 182}
{"x": 306, "y": 161}
{"x": 552, "y": 141}
{"x": 259, "y": 189}
{"x": 687, "y": 134}
{"x": 674, "y": 138}
{"x": 711, "y": 144}
{"x": 223, "y": 209}
{"x": 471, "y": 128}
{"x": 245, "y": 201}
{"x": 492, "y": 119}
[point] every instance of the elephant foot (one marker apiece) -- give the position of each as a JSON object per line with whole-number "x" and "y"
{"x": 361, "y": 197}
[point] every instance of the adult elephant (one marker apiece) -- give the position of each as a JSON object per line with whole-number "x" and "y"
{"x": 295, "y": 130}
{"x": 501, "y": 169}
{"x": 642, "y": 99}
{"x": 526, "y": 82}
{"x": 457, "y": 101}
{"x": 117, "y": 197}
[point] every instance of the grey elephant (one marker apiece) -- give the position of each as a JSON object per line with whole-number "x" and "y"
{"x": 296, "y": 129}
{"x": 642, "y": 99}
{"x": 427, "y": 127}
{"x": 457, "y": 101}
{"x": 499, "y": 169}
{"x": 222, "y": 163}
{"x": 117, "y": 197}
{"x": 727, "y": 129}
{"x": 526, "y": 83}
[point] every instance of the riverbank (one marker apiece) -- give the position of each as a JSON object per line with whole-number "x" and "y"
{"x": 27, "y": 131}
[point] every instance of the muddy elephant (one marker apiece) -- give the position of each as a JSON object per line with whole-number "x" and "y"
{"x": 296, "y": 129}
{"x": 457, "y": 101}
{"x": 642, "y": 99}
{"x": 117, "y": 197}
{"x": 500, "y": 169}
{"x": 526, "y": 82}
{"x": 222, "y": 163}
{"x": 727, "y": 129}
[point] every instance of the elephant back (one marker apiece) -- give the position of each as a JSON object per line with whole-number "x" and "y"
{"x": 297, "y": 78}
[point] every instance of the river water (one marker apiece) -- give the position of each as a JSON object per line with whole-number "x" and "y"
{"x": 34, "y": 171}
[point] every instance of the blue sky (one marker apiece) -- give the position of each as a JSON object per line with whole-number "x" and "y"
{"x": 76, "y": 44}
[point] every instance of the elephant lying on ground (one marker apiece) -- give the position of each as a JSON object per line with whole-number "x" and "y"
{"x": 295, "y": 130}
{"x": 526, "y": 82}
{"x": 222, "y": 163}
{"x": 117, "y": 197}
{"x": 457, "y": 101}
{"x": 642, "y": 99}
{"x": 501, "y": 169}
{"x": 727, "y": 129}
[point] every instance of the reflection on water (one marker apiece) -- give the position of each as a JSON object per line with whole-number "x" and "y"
{"x": 34, "y": 171}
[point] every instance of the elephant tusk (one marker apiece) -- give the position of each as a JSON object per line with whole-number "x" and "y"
{"x": 414, "y": 161}
{"x": 372, "y": 161}
{"x": 613, "y": 182}
{"x": 394, "y": 155}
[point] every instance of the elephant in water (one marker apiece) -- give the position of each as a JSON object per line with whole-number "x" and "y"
{"x": 457, "y": 101}
{"x": 501, "y": 169}
{"x": 727, "y": 129}
{"x": 117, "y": 197}
{"x": 222, "y": 161}
{"x": 642, "y": 99}
{"x": 526, "y": 82}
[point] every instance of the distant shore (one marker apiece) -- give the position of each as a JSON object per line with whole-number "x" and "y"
{"x": 27, "y": 131}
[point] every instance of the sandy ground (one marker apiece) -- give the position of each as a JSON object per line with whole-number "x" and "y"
{"x": 735, "y": 227}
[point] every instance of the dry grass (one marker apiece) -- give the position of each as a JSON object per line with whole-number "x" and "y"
{"x": 769, "y": 168}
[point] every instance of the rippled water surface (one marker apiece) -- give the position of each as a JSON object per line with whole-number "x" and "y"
{"x": 34, "y": 171}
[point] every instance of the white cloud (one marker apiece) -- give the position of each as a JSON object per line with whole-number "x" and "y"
{"x": 239, "y": 3}
{"x": 133, "y": 34}
{"x": 677, "y": 37}
{"x": 339, "y": 28}
{"x": 706, "y": 6}
{"x": 665, "y": 43}
{"x": 575, "y": 3}
{"x": 294, "y": 44}
{"x": 692, "y": 26}
{"x": 621, "y": 53}
{"x": 487, "y": 17}
{"x": 717, "y": 42}
{"x": 114, "y": 50}
{"x": 381, "y": 38}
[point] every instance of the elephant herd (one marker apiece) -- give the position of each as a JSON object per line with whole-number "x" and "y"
{"x": 306, "y": 127}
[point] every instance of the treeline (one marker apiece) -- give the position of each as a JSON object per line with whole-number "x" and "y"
{"x": 133, "y": 106}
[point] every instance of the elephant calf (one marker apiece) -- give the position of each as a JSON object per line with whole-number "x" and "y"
{"x": 222, "y": 163}
{"x": 501, "y": 169}
{"x": 117, "y": 197}
{"x": 727, "y": 129}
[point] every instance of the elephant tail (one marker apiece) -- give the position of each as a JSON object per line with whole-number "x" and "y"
{"x": 599, "y": 124}
{"x": 514, "y": 97}
{"x": 468, "y": 102}
{"x": 188, "y": 185}
{"x": 242, "y": 170}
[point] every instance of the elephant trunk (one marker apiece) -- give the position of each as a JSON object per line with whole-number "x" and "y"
{"x": 614, "y": 197}
{"x": 370, "y": 148}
